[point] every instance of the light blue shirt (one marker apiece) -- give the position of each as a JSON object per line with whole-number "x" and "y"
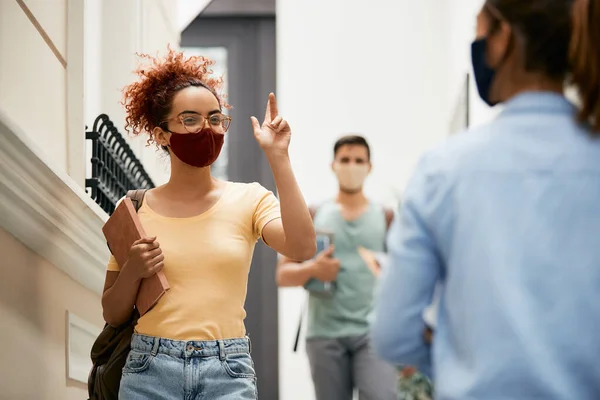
{"x": 506, "y": 217}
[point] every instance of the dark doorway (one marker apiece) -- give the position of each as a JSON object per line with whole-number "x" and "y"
{"x": 249, "y": 42}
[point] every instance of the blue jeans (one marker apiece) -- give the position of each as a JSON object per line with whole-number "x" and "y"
{"x": 163, "y": 369}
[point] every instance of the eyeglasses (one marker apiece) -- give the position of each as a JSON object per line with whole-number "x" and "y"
{"x": 193, "y": 123}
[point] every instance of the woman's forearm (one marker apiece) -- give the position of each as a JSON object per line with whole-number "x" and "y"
{"x": 119, "y": 299}
{"x": 300, "y": 240}
{"x": 293, "y": 274}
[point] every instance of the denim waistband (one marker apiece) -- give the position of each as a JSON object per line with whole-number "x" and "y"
{"x": 183, "y": 349}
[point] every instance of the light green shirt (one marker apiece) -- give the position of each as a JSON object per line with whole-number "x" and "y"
{"x": 347, "y": 312}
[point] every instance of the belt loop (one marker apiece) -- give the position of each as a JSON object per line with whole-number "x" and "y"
{"x": 155, "y": 347}
{"x": 221, "y": 350}
{"x": 249, "y": 344}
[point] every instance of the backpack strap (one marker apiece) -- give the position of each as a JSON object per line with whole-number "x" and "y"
{"x": 299, "y": 329}
{"x": 313, "y": 212}
{"x": 137, "y": 197}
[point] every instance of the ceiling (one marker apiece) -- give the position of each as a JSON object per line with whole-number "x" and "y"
{"x": 189, "y": 10}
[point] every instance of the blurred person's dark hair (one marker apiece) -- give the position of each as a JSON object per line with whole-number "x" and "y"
{"x": 561, "y": 39}
{"x": 354, "y": 140}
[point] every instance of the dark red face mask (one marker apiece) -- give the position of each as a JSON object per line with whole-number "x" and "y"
{"x": 197, "y": 149}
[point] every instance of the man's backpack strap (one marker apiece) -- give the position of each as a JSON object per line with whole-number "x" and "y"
{"x": 313, "y": 211}
{"x": 137, "y": 197}
{"x": 299, "y": 329}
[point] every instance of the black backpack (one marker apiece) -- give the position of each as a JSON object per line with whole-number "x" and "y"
{"x": 112, "y": 346}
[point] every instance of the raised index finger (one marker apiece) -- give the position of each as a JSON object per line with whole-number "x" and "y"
{"x": 268, "y": 117}
{"x": 273, "y": 106}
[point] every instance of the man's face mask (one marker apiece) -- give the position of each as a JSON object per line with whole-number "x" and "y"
{"x": 351, "y": 176}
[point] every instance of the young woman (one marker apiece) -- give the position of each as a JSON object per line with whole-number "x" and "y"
{"x": 202, "y": 233}
{"x": 506, "y": 218}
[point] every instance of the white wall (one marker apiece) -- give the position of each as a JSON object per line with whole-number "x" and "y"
{"x": 35, "y": 81}
{"x": 34, "y": 299}
{"x": 459, "y": 31}
{"x": 391, "y": 71}
{"x": 52, "y": 53}
{"x": 159, "y": 29}
{"x": 32, "y": 78}
{"x": 115, "y": 31}
{"x": 355, "y": 66}
{"x": 368, "y": 67}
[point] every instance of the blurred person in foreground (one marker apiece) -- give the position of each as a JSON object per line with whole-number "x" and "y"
{"x": 506, "y": 217}
{"x": 340, "y": 354}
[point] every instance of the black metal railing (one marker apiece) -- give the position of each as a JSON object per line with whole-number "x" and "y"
{"x": 115, "y": 168}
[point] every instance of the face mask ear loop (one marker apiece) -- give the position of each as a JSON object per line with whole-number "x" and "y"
{"x": 499, "y": 19}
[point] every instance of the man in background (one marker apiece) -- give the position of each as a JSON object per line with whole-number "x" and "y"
{"x": 338, "y": 345}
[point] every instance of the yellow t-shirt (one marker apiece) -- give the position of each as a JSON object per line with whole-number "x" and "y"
{"x": 207, "y": 261}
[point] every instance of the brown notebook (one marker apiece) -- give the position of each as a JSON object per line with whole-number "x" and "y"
{"x": 121, "y": 230}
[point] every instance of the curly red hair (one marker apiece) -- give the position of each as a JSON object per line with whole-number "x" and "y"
{"x": 148, "y": 101}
